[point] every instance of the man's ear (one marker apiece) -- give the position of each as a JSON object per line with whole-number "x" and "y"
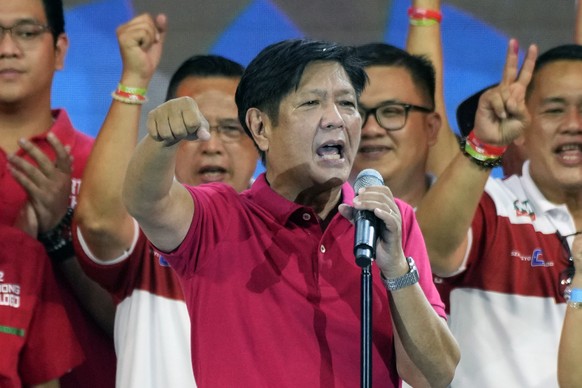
{"x": 434, "y": 123}
{"x": 257, "y": 122}
{"x": 61, "y": 48}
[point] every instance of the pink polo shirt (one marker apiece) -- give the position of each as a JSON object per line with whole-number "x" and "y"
{"x": 274, "y": 300}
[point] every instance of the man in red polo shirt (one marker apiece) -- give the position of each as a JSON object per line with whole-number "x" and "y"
{"x": 269, "y": 276}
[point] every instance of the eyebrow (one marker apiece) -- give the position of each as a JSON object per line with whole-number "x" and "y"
{"x": 227, "y": 120}
{"x": 553, "y": 100}
{"x": 385, "y": 102}
{"x": 323, "y": 93}
{"x": 27, "y": 21}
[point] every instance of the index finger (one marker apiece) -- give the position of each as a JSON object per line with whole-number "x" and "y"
{"x": 42, "y": 160}
{"x": 510, "y": 67}
{"x": 63, "y": 160}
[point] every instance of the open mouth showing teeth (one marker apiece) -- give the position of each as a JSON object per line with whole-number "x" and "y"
{"x": 331, "y": 151}
{"x": 569, "y": 148}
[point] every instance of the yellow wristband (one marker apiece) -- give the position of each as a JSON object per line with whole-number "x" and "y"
{"x": 132, "y": 90}
{"x": 422, "y": 22}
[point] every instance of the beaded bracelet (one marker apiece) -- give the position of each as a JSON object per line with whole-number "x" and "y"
{"x": 58, "y": 241}
{"x": 480, "y": 160}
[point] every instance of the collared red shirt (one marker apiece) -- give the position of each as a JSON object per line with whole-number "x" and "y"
{"x": 274, "y": 300}
{"x": 12, "y": 195}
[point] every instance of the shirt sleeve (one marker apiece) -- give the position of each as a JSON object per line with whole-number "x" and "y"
{"x": 414, "y": 246}
{"x": 213, "y": 204}
{"x": 119, "y": 276}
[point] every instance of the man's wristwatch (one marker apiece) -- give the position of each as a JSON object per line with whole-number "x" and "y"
{"x": 408, "y": 279}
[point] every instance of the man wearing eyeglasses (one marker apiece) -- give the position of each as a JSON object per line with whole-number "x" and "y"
{"x": 38, "y": 188}
{"x": 400, "y": 123}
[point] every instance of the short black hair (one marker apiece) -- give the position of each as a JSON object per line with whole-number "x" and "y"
{"x": 277, "y": 70}
{"x": 55, "y": 16}
{"x": 565, "y": 52}
{"x": 203, "y": 66}
{"x": 420, "y": 67}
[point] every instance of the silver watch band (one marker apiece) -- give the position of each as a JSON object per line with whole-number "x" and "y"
{"x": 408, "y": 279}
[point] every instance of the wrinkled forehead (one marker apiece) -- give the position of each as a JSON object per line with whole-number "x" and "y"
{"x": 325, "y": 76}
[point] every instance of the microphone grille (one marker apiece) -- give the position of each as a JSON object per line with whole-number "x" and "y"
{"x": 368, "y": 177}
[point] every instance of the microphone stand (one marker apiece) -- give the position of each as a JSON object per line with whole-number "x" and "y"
{"x": 366, "y": 328}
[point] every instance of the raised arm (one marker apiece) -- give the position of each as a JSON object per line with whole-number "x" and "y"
{"x": 161, "y": 205}
{"x": 425, "y": 39}
{"x": 446, "y": 212}
{"x": 105, "y": 224}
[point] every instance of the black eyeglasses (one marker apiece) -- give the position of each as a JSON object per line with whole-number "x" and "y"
{"x": 228, "y": 133}
{"x": 391, "y": 116}
{"x": 24, "y": 33}
{"x": 567, "y": 275}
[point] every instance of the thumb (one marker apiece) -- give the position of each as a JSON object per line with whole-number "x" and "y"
{"x": 162, "y": 27}
{"x": 346, "y": 211}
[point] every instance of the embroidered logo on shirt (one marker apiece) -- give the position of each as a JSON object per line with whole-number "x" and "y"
{"x": 524, "y": 209}
{"x": 536, "y": 259}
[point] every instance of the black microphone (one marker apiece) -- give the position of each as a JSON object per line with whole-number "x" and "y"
{"x": 367, "y": 224}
